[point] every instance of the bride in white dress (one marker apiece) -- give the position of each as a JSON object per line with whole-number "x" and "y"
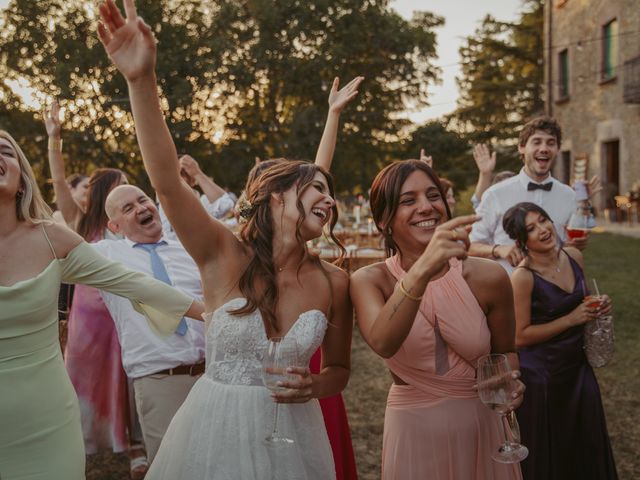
{"x": 260, "y": 286}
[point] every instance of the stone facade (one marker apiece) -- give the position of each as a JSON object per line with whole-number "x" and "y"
{"x": 601, "y": 131}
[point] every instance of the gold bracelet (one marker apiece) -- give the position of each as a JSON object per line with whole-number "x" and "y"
{"x": 407, "y": 294}
{"x": 54, "y": 144}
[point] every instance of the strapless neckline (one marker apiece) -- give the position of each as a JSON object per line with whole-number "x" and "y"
{"x": 212, "y": 315}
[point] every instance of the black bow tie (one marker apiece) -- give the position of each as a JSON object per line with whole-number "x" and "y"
{"x": 540, "y": 186}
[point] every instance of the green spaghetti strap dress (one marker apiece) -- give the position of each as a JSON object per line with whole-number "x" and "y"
{"x": 40, "y": 432}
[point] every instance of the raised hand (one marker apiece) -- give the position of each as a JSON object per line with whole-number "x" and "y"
{"x": 485, "y": 161}
{"x": 338, "y": 99}
{"x": 594, "y": 186}
{"x": 129, "y": 41}
{"x": 451, "y": 239}
{"x": 52, "y": 120}
{"x": 190, "y": 166}
{"x": 428, "y": 159}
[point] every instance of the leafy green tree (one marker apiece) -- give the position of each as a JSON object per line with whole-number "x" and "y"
{"x": 451, "y": 154}
{"x": 238, "y": 78}
{"x": 502, "y": 77}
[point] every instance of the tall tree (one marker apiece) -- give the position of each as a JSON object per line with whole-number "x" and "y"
{"x": 502, "y": 76}
{"x": 239, "y": 78}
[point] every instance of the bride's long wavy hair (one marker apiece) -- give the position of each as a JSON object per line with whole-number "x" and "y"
{"x": 257, "y": 233}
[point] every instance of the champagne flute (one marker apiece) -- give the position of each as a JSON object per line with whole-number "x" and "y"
{"x": 495, "y": 386}
{"x": 281, "y": 353}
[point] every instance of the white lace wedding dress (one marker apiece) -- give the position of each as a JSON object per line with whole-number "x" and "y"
{"x": 218, "y": 432}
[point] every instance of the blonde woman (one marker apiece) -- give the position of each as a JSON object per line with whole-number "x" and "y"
{"x": 41, "y": 437}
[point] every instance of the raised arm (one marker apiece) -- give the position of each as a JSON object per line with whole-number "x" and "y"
{"x": 486, "y": 163}
{"x": 131, "y": 46}
{"x": 211, "y": 189}
{"x": 428, "y": 159}
{"x": 338, "y": 99}
{"x": 70, "y": 210}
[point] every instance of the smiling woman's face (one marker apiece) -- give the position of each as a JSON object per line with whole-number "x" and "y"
{"x": 9, "y": 169}
{"x": 421, "y": 209}
{"x": 541, "y": 234}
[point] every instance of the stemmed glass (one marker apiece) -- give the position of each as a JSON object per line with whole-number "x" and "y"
{"x": 495, "y": 386}
{"x": 281, "y": 353}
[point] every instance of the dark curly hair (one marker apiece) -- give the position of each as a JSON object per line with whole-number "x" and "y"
{"x": 514, "y": 224}
{"x": 544, "y": 123}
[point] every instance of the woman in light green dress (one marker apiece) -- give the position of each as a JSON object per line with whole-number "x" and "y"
{"x": 40, "y": 433}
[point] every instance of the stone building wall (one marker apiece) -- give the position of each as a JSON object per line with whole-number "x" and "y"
{"x": 594, "y": 112}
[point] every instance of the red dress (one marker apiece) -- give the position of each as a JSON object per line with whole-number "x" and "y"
{"x": 337, "y": 424}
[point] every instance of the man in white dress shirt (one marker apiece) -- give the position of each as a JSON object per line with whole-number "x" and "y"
{"x": 539, "y": 144}
{"x": 163, "y": 369}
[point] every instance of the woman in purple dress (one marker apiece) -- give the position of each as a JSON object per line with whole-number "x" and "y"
{"x": 561, "y": 419}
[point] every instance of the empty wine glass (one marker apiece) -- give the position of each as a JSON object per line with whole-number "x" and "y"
{"x": 281, "y": 353}
{"x": 495, "y": 387}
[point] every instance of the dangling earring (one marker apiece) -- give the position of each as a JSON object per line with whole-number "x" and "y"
{"x": 389, "y": 231}
{"x": 20, "y": 193}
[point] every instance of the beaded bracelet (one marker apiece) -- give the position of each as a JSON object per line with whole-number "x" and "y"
{"x": 407, "y": 294}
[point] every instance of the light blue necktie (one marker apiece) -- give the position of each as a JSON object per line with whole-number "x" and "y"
{"x": 160, "y": 273}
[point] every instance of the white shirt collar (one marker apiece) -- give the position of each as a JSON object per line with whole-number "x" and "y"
{"x": 131, "y": 243}
{"x": 525, "y": 179}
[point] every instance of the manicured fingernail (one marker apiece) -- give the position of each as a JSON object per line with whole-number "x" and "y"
{"x": 289, "y": 369}
{"x": 280, "y": 384}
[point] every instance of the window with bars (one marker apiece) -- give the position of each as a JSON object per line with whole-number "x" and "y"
{"x": 609, "y": 50}
{"x": 563, "y": 74}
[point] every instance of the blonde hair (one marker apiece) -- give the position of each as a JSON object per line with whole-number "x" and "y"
{"x": 30, "y": 206}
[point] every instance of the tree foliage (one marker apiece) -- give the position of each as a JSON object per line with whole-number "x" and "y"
{"x": 502, "y": 76}
{"x": 450, "y": 151}
{"x": 238, "y": 79}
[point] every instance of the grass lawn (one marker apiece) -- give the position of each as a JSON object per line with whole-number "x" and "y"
{"x": 615, "y": 262}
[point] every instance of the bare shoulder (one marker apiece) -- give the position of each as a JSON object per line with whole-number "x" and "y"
{"x": 339, "y": 278}
{"x": 374, "y": 273}
{"x": 484, "y": 271}
{"x": 377, "y": 276}
{"x": 62, "y": 238}
{"x": 522, "y": 278}
{"x": 487, "y": 280}
{"x": 575, "y": 254}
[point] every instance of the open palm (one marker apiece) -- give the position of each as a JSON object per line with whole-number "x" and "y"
{"x": 338, "y": 99}
{"x": 485, "y": 161}
{"x": 129, "y": 41}
{"x": 52, "y": 120}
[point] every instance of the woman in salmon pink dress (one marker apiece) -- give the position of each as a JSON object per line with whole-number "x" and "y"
{"x": 431, "y": 312}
